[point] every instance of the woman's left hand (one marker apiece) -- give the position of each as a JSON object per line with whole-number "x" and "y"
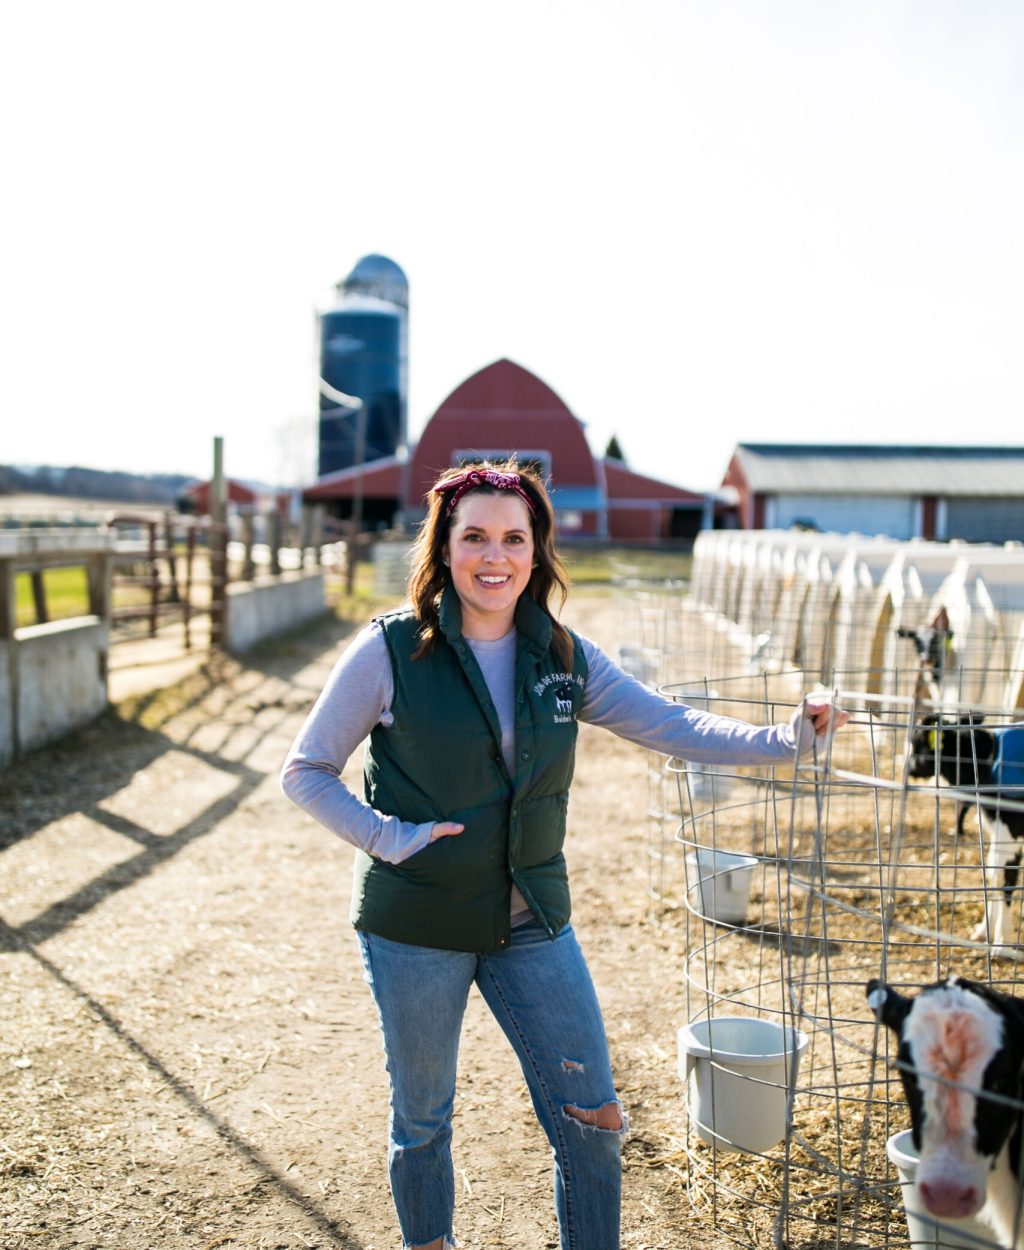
{"x": 815, "y": 719}
{"x": 825, "y": 717}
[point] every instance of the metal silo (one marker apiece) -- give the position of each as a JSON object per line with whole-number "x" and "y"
{"x": 363, "y": 354}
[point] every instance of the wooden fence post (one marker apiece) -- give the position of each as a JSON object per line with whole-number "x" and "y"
{"x": 154, "y": 580}
{"x": 319, "y": 511}
{"x": 172, "y": 559}
{"x": 190, "y": 555}
{"x": 248, "y": 537}
{"x": 274, "y": 528}
{"x": 98, "y": 570}
{"x": 8, "y": 625}
{"x": 218, "y": 546}
{"x": 305, "y": 533}
{"x": 39, "y": 596}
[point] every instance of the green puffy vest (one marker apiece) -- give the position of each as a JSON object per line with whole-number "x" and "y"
{"x": 441, "y": 760}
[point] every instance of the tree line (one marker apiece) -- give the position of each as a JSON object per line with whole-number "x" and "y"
{"x": 81, "y": 483}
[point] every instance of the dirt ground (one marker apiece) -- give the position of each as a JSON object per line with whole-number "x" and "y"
{"x": 189, "y": 1057}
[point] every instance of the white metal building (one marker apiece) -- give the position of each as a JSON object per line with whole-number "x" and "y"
{"x": 971, "y": 493}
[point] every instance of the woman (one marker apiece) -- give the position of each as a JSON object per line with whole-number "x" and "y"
{"x": 470, "y": 698}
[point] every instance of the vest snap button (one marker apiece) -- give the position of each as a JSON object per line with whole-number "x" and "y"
{"x": 524, "y": 755}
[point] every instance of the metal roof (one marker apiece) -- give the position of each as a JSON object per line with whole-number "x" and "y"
{"x": 849, "y": 469}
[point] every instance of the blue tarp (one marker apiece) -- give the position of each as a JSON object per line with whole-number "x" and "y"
{"x": 1008, "y": 767}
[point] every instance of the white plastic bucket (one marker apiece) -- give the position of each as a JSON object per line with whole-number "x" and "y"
{"x": 926, "y": 1232}
{"x": 719, "y": 884}
{"x": 738, "y": 1071}
{"x": 707, "y": 784}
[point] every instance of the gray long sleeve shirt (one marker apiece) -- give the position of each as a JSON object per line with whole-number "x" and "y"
{"x": 358, "y": 696}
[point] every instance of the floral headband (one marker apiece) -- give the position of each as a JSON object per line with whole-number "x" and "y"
{"x": 465, "y": 482}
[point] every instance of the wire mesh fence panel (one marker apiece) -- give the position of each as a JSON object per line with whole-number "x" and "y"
{"x": 798, "y": 886}
{"x": 891, "y": 852}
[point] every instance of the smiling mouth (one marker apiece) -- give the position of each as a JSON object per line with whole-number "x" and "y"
{"x": 494, "y": 580}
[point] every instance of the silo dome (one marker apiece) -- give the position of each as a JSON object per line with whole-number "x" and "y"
{"x": 379, "y": 277}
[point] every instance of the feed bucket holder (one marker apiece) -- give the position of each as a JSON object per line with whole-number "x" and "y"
{"x": 739, "y": 1071}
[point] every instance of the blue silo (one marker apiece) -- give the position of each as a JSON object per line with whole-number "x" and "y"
{"x": 363, "y": 353}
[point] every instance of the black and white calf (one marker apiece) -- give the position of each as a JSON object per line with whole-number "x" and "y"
{"x": 934, "y": 645}
{"x": 989, "y": 764}
{"x": 961, "y": 1055}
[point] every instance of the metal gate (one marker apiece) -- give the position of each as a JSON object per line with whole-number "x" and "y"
{"x": 169, "y": 579}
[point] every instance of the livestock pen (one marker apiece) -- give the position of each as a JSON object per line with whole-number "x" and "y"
{"x": 794, "y": 887}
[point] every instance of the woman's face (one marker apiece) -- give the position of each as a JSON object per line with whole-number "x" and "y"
{"x": 490, "y": 555}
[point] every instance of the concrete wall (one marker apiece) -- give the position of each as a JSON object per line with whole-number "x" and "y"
{"x": 258, "y": 610}
{"x": 53, "y": 677}
{"x": 61, "y": 678}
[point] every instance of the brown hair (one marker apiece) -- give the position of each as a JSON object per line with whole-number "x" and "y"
{"x": 430, "y": 576}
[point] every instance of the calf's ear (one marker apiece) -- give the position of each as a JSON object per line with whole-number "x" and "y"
{"x": 889, "y": 1006}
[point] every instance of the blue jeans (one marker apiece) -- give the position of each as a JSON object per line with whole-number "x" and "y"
{"x": 541, "y": 994}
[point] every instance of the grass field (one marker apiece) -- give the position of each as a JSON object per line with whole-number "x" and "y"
{"x": 67, "y": 594}
{"x": 66, "y": 590}
{"x": 593, "y": 566}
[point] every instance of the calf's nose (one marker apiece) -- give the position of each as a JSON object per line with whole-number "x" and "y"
{"x": 949, "y": 1198}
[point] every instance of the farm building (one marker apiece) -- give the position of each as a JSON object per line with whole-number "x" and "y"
{"x": 971, "y": 493}
{"x": 502, "y": 409}
{"x": 242, "y": 497}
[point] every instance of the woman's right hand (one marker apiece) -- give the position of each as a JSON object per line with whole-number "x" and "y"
{"x": 445, "y": 829}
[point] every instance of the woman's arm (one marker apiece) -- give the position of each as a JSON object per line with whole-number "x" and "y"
{"x": 357, "y": 697}
{"x": 616, "y": 701}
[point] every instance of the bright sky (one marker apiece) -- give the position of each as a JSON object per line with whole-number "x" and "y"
{"x": 700, "y": 221}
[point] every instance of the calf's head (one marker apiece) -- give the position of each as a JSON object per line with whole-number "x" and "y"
{"x": 956, "y": 750}
{"x": 961, "y": 1049}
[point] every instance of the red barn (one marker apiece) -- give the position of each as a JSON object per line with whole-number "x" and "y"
{"x": 241, "y": 498}
{"x": 505, "y": 409}
{"x": 198, "y": 496}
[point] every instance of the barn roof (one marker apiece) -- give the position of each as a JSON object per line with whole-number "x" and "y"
{"x": 500, "y": 409}
{"x": 847, "y": 469}
{"x": 382, "y": 479}
{"x": 625, "y": 483}
{"x": 237, "y": 492}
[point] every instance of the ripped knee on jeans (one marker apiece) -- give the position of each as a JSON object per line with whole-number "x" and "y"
{"x": 608, "y": 1117}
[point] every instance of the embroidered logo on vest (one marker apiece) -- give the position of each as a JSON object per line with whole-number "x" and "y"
{"x": 560, "y": 687}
